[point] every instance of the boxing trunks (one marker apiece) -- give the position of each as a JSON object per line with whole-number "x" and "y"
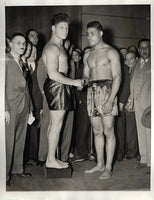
{"x": 98, "y": 93}
{"x": 59, "y": 96}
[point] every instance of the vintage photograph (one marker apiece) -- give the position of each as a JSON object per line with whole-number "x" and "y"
{"x": 78, "y": 98}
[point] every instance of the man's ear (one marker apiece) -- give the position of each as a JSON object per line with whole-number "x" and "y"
{"x": 10, "y": 44}
{"x": 101, "y": 33}
{"x": 53, "y": 27}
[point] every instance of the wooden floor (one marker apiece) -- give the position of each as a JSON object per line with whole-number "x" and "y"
{"x": 125, "y": 178}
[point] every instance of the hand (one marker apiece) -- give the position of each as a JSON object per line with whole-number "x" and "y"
{"x": 129, "y": 107}
{"x": 78, "y": 83}
{"x": 121, "y": 105}
{"x": 7, "y": 117}
{"x": 86, "y": 81}
{"x": 31, "y": 119}
{"x": 107, "y": 107}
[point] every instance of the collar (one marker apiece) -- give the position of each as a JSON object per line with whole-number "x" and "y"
{"x": 16, "y": 58}
{"x": 145, "y": 61}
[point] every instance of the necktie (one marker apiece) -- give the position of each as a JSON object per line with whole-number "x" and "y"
{"x": 23, "y": 68}
{"x": 21, "y": 64}
{"x": 142, "y": 64}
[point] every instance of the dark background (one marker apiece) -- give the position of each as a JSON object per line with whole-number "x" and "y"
{"x": 123, "y": 25}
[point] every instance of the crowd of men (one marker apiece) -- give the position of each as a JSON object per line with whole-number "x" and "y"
{"x": 57, "y": 102}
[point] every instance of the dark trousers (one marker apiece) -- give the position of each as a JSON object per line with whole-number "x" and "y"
{"x": 126, "y": 132}
{"x": 120, "y": 135}
{"x": 44, "y": 123}
{"x": 32, "y": 141}
{"x": 15, "y": 141}
{"x": 131, "y": 134}
{"x": 66, "y": 135}
{"x": 82, "y": 130}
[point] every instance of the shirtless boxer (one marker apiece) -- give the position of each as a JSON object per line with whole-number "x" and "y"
{"x": 57, "y": 85}
{"x": 103, "y": 75}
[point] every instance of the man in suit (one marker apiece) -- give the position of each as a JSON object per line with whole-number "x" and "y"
{"x": 44, "y": 115}
{"x": 33, "y": 130}
{"x": 17, "y": 108}
{"x": 123, "y": 95}
{"x": 141, "y": 99}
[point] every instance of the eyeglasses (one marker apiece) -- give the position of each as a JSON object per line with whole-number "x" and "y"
{"x": 144, "y": 48}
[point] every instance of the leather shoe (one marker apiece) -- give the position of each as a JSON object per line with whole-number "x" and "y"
{"x": 120, "y": 159}
{"x": 79, "y": 159}
{"x": 40, "y": 163}
{"x": 91, "y": 157}
{"x": 140, "y": 165}
{"x": 8, "y": 183}
{"x": 128, "y": 157}
{"x": 28, "y": 165}
{"x": 22, "y": 175}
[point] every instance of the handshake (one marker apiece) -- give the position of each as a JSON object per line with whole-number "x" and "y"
{"x": 82, "y": 83}
{"x": 85, "y": 82}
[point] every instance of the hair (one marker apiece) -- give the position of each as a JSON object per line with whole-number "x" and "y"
{"x": 15, "y": 35}
{"x": 7, "y": 45}
{"x": 28, "y": 43}
{"x": 132, "y": 46}
{"x": 78, "y": 51}
{"x": 143, "y": 40}
{"x": 131, "y": 52}
{"x": 29, "y": 30}
{"x": 60, "y": 17}
{"x": 95, "y": 24}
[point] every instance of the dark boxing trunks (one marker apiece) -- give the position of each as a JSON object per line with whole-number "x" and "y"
{"x": 98, "y": 93}
{"x": 58, "y": 95}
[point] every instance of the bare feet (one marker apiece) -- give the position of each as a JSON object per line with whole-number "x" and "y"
{"x": 65, "y": 164}
{"x": 56, "y": 164}
{"x": 94, "y": 169}
{"x": 106, "y": 174}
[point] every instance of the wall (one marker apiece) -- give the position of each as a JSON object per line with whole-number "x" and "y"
{"x": 20, "y": 19}
{"x": 123, "y": 25}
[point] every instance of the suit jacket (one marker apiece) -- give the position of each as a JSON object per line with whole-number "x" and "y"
{"x": 124, "y": 89}
{"x": 81, "y": 96}
{"x": 141, "y": 84}
{"x": 41, "y": 77}
{"x": 16, "y": 88}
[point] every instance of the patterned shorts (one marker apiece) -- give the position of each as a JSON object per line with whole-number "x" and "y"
{"x": 98, "y": 93}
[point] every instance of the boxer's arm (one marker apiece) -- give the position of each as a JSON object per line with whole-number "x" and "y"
{"x": 113, "y": 56}
{"x": 86, "y": 70}
{"x": 52, "y": 63}
{"x": 116, "y": 73}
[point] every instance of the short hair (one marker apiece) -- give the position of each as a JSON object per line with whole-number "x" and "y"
{"x": 60, "y": 17}
{"x": 95, "y": 24}
{"x": 28, "y": 43}
{"x": 131, "y": 52}
{"x": 29, "y": 30}
{"x": 77, "y": 50}
{"x": 15, "y": 35}
{"x": 143, "y": 40}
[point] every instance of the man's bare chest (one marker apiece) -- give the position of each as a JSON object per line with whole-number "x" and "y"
{"x": 97, "y": 60}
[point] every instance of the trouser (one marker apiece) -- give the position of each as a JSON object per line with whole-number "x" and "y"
{"x": 131, "y": 134}
{"x": 43, "y": 142}
{"x": 82, "y": 130}
{"x": 66, "y": 135}
{"x": 144, "y": 135}
{"x": 15, "y": 141}
{"x": 120, "y": 134}
{"x": 126, "y": 131}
